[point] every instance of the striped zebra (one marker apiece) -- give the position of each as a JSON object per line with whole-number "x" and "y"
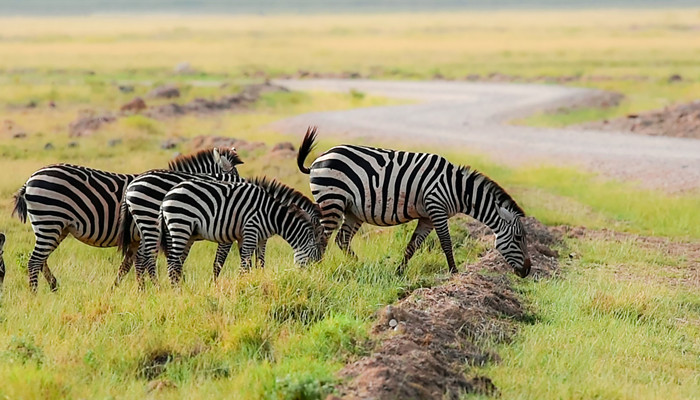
{"x": 64, "y": 199}
{"x": 244, "y": 212}
{"x": 141, "y": 204}
{"x": 2, "y": 259}
{"x": 357, "y": 184}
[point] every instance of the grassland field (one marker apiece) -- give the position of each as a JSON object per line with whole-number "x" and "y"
{"x": 622, "y": 321}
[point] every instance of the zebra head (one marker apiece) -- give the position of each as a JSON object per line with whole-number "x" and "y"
{"x": 307, "y": 244}
{"x": 208, "y": 161}
{"x": 511, "y": 243}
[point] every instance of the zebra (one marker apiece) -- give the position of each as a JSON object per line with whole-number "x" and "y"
{"x": 359, "y": 184}
{"x": 2, "y": 259}
{"x": 64, "y": 199}
{"x": 245, "y": 212}
{"x": 141, "y": 204}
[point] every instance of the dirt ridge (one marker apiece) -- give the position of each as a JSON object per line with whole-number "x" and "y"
{"x": 424, "y": 341}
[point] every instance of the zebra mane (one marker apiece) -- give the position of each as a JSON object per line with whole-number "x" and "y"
{"x": 185, "y": 162}
{"x": 502, "y": 197}
{"x": 287, "y": 196}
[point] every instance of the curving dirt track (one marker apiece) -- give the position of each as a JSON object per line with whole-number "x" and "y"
{"x": 475, "y": 116}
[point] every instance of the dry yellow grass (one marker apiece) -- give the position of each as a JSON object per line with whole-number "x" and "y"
{"x": 546, "y": 42}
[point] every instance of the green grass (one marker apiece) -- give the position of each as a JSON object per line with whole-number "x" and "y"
{"x": 601, "y": 336}
{"x": 617, "y": 324}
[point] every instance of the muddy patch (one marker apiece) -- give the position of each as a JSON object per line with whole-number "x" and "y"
{"x": 427, "y": 341}
{"x": 682, "y": 120}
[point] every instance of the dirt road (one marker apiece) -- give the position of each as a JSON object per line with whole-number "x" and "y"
{"x": 475, "y": 116}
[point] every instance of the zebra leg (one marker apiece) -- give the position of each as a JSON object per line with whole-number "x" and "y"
{"x": 260, "y": 253}
{"x": 53, "y": 283}
{"x": 45, "y": 245}
{"x": 347, "y": 231}
{"x": 126, "y": 264}
{"x": 422, "y": 230}
{"x": 439, "y": 221}
{"x": 247, "y": 247}
{"x": 332, "y": 211}
{"x": 221, "y": 254}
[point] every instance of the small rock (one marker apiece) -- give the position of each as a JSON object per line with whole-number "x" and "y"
{"x": 166, "y": 91}
{"x": 675, "y": 78}
{"x": 283, "y": 146}
{"x": 19, "y": 135}
{"x": 135, "y": 105}
{"x": 393, "y": 323}
{"x": 126, "y": 88}
{"x": 52, "y": 104}
{"x": 114, "y": 142}
{"x": 73, "y": 144}
{"x": 168, "y": 144}
{"x": 32, "y": 104}
{"x": 184, "y": 68}
{"x": 49, "y": 146}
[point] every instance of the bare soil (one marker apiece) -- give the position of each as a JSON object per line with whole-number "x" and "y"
{"x": 681, "y": 120}
{"x": 425, "y": 341}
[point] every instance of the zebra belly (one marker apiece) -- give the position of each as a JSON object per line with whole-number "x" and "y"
{"x": 387, "y": 212}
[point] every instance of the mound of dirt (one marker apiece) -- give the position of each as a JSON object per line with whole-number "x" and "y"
{"x": 87, "y": 125}
{"x": 681, "y": 120}
{"x": 205, "y": 142}
{"x": 425, "y": 341}
{"x": 248, "y": 95}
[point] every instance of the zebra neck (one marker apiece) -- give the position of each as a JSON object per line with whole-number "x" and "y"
{"x": 478, "y": 200}
{"x": 286, "y": 225}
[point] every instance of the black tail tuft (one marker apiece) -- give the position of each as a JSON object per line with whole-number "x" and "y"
{"x": 163, "y": 235}
{"x": 126, "y": 220}
{"x": 306, "y": 146}
{"x": 20, "y": 204}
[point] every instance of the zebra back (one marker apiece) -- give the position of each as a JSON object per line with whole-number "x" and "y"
{"x": 207, "y": 161}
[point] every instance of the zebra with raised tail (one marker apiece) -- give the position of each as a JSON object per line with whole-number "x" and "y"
{"x": 64, "y": 199}
{"x": 142, "y": 201}
{"x": 358, "y": 184}
{"x": 243, "y": 212}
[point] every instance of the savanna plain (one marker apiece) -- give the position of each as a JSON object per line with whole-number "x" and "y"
{"x": 621, "y": 318}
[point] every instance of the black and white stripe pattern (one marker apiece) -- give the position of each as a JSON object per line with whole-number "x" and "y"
{"x": 2, "y": 259}
{"x": 357, "y": 185}
{"x": 226, "y": 212}
{"x": 67, "y": 199}
{"x": 142, "y": 202}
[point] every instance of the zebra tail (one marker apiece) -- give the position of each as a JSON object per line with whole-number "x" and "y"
{"x": 163, "y": 235}
{"x": 126, "y": 220}
{"x": 306, "y": 146}
{"x": 21, "y": 204}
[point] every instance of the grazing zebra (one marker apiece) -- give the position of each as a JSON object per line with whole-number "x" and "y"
{"x": 142, "y": 202}
{"x": 2, "y": 259}
{"x": 244, "y": 212}
{"x": 64, "y": 198}
{"x": 360, "y": 184}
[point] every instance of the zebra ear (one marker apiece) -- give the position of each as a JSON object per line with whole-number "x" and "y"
{"x": 223, "y": 162}
{"x": 506, "y": 214}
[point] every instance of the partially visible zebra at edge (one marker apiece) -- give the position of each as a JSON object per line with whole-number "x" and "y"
{"x": 2, "y": 260}
{"x": 64, "y": 199}
{"x": 358, "y": 184}
{"x": 243, "y": 212}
